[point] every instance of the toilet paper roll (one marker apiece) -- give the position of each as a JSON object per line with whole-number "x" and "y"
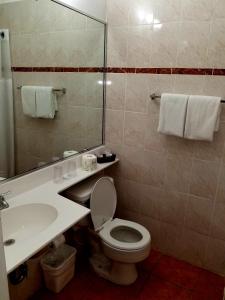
{"x": 89, "y": 162}
{"x": 58, "y": 241}
{"x": 69, "y": 153}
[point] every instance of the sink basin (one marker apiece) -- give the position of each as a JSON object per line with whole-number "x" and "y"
{"x": 24, "y": 222}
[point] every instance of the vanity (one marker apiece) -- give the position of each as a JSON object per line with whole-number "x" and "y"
{"x": 36, "y": 216}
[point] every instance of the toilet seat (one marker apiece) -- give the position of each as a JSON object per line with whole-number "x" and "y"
{"x": 103, "y": 202}
{"x": 138, "y": 230}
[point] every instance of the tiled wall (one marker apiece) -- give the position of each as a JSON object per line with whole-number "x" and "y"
{"x": 44, "y": 34}
{"x": 175, "y": 187}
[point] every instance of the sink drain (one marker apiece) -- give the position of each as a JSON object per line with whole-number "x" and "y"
{"x": 9, "y": 242}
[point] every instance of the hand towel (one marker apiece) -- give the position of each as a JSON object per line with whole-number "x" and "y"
{"x": 28, "y": 94}
{"x": 203, "y": 115}
{"x": 173, "y": 109}
{"x": 46, "y": 102}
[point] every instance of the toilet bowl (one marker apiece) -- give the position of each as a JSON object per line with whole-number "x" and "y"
{"x": 121, "y": 244}
{"x": 124, "y": 243}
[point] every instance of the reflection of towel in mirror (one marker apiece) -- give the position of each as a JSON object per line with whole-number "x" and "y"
{"x": 28, "y": 94}
{"x": 39, "y": 102}
{"x": 46, "y": 102}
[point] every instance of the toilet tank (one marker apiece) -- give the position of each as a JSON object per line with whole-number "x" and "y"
{"x": 81, "y": 192}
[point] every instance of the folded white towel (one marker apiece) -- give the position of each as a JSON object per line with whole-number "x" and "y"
{"x": 203, "y": 115}
{"x": 173, "y": 109}
{"x": 28, "y": 94}
{"x": 46, "y": 103}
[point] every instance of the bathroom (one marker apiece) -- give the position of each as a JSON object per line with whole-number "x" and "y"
{"x": 106, "y": 64}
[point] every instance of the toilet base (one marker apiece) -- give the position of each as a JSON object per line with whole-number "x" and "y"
{"x": 116, "y": 272}
{"x": 122, "y": 273}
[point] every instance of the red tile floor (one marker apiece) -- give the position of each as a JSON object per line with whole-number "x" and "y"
{"x": 160, "y": 278}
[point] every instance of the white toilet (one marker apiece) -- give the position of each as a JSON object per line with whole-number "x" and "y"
{"x": 124, "y": 243}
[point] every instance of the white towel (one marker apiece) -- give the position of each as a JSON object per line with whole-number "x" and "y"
{"x": 173, "y": 109}
{"x": 46, "y": 103}
{"x": 203, "y": 115}
{"x": 29, "y": 100}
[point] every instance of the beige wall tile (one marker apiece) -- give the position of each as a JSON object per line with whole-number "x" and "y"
{"x": 137, "y": 93}
{"x": 117, "y": 46}
{"x": 114, "y": 126}
{"x": 131, "y": 163}
{"x": 220, "y": 196}
{"x": 201, "y": 10}
{"x": 116, "y": 91}
{"x": 153, "y": 140}
{"x": 193, "y": 44}
{"x": 198, "y": 214}
{"x": 215, "y": 260}
{"x": 172, "y": 208}
{"x": 133, "y": 129}
{"x": 164, "y": 49}
{"x": 168, "y": 10}
{"x": 139, "y": 46}
{"x": 131, "y": 195}
{"x": 178, "y": 173}
{"x": 217, "y": 228}
{"x": 150, "y": 198}
{"x": 216, "y": 54}
{"x": 170, "y": 238}
{"x": 204, "y": 178}
{"x": 118, "y": 12}
{"x": 192, "y": 247}
{"x": 154, "y": 168}
{"x": 211, "y": 151}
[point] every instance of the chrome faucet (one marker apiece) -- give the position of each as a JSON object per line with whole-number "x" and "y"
{"x": 3, "y": 203}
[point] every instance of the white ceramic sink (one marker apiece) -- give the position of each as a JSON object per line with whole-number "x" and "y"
{"x": 26, "y": 221}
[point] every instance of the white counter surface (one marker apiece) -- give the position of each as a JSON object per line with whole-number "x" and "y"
{"x": 69, "y": 213}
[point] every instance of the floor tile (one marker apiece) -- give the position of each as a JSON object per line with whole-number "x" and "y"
{"x": 207, "y": 295}
{"x": 177, "y": 272}
{"x": 153, "y": 259}
{"x": 210, "y": 282}
{"x": 159, "y": 289}
{"x": 160, "y": 278}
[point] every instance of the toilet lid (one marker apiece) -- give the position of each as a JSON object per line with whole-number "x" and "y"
{"x": 103, "y": 202}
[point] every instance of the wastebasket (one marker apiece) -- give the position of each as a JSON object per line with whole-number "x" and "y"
{"x": 58, "y": 266}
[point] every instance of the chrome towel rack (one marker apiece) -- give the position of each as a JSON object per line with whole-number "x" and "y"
{"x": 62, "y": 90}
{"x": 154, "y": 96}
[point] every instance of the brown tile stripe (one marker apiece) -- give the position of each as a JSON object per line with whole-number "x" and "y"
{"x": 179, "y": 71}
{"x": 58, "y": 69}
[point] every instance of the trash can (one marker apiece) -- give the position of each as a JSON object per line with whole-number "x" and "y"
{"x": 58, "y": 267}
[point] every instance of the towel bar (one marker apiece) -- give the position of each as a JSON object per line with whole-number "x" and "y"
{"x": 155, "y": 96}
{"x": 63, "y": 90}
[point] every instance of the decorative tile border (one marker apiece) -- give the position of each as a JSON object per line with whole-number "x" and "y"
{"x": 59, "y": 69}
{"x": 170, "y": 71}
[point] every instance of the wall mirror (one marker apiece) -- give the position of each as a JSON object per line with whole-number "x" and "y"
{"x": 51, "y": 61}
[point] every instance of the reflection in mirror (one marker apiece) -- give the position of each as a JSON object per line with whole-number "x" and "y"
{"x": 51, "y": 84}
